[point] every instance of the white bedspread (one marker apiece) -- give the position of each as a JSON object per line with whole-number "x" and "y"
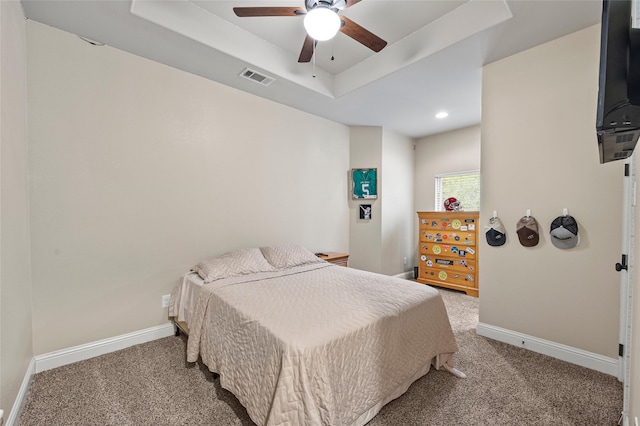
{"x": 318, "y": 344}
{"x": 184, "y": 297}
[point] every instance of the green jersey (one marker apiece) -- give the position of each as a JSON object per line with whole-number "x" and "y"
{"x": 364, "y": 183}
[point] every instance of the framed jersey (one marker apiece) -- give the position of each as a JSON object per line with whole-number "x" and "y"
{"x": 365, "y": 183}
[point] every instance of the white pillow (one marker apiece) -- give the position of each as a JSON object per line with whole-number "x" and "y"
{"x": 231, "y": 264}
{"x": 282, "y": 257}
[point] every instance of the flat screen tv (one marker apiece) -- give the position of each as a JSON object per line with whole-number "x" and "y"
{"x": 618, "y": 115}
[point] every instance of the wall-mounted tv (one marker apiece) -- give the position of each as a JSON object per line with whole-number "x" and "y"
{"x": 618, "y": 115}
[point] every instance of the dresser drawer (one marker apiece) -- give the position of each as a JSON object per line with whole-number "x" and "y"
{"x": 438, "y": 276}
{"x": 449, "y": 250}
{"x": 446, "y": 263}
{"x": 449, "y": 237}
{"x": 450, "y": 222}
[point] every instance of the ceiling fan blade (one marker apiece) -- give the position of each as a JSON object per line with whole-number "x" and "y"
{"x": 244, "y": 12}
{"x": 362, "y": 35}
{"x": 344, "y": 4}
{"x": 307, "y": 49}
{"x": 351, "y": 3}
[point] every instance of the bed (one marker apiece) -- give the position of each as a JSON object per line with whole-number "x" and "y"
{"x": 300, "y": 341}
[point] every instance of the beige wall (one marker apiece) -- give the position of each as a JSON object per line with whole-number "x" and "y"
{"x": 397, "y": 232}
{"x": 140, "y": 170}
{"x": 16, "y": 349}
{"x": 381, "y": 243}
{"x": 365, "y": 236}
{"x": 450, "y": 152}
{"x": 539, "y": 152}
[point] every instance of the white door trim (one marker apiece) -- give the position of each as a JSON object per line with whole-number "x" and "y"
{"x": 628, "y": 232}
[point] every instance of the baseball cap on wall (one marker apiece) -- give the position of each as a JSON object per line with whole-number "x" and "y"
{"x": 564, "y": 232}
{"x": 496, "y": 235}
{"x": 527, "y": 230}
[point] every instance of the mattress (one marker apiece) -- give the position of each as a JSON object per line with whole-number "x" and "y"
{"x": 315, "y": 344}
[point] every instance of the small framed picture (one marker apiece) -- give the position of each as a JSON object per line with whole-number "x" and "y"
{"x": 365, "y": 211}
{"x": 365, "y": 183}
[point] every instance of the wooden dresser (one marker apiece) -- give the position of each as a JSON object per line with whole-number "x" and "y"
{"x": 337, "y": 258}
{"x": 448, "y": 250}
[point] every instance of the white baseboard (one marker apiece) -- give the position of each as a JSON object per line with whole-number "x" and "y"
{"x": 546, "y": 347}
{"x": 78, "y": 353}
{"x": 14, "y": 414}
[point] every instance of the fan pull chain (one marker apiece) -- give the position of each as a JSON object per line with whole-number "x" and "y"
{"x": 314, "y": 59}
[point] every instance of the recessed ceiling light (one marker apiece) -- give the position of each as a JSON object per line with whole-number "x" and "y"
{"x": 442, "y": 114}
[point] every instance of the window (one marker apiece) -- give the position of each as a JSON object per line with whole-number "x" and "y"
{"x": 465, "y": 186}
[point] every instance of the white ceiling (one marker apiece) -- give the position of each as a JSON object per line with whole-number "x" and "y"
{"x": 432, "y": 62}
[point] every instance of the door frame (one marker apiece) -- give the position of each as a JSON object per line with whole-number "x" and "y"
{"x": 626, "y": 275}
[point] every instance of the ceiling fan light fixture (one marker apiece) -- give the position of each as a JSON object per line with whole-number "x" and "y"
{"x": 322, "y": 23}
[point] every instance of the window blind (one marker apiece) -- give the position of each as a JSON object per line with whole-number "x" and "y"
{"x": 464, "y": 186}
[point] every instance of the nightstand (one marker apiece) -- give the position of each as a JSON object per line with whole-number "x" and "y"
{"x": 335, "y": 258}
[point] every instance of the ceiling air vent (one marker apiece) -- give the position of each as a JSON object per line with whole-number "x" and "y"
{"x": 257, "y": 77}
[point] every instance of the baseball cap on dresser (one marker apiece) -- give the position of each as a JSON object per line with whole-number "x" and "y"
{"x": 496, "y": 235}
{"x": 527, "y": 230}
{"x": 564, "y": 232}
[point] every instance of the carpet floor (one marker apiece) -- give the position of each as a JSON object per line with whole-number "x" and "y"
{"x": 151, "y": 384}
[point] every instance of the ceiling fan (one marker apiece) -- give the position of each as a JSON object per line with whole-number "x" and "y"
{"x": 330, "y": 9}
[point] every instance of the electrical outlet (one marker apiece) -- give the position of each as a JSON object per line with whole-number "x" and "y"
{"x": 165, "y": 300}
{"x": 404, "y": 260}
